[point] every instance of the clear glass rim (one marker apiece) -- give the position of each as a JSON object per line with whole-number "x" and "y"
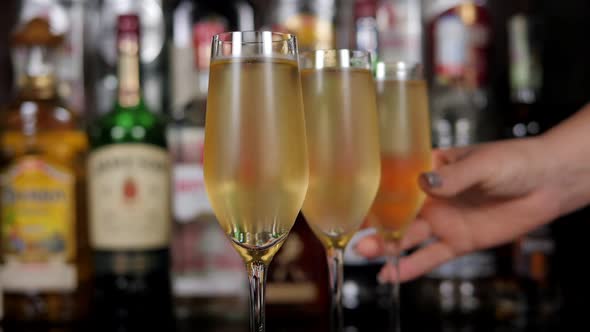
{"x": 232, "y": 37}
{"x": 400, "y": 70}
{"x": 335, "y": 58}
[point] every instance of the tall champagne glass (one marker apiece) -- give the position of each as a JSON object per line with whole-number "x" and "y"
{"x": 255, "y": 162}
{"x": 404, "y": 130}
{"x": 341, "y": 121}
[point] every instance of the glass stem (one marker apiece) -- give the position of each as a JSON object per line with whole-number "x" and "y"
{"x": 393, "y": 257}
{"x": 336, "y": 268}
{"x": 257, "y": 278}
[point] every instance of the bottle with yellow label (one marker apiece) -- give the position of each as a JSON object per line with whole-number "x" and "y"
{"x": 45, "y": 270}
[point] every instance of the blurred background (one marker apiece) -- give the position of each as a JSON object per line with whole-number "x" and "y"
{"x": 496, "y": 69}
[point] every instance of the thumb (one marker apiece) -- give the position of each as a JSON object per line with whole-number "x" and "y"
{"x": 457, "y": 176}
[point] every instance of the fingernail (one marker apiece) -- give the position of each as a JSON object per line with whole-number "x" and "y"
{"x": 432, "y": 179}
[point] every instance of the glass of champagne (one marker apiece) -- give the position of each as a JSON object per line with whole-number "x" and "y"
{"x": 255, "y": 161}
{"x": 404, "y": 130}
{"x": 342, "y": 134}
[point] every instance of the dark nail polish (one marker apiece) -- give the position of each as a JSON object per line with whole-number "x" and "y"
{"x": 432, "y": 179}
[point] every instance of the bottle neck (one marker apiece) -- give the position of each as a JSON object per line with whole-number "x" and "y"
{"x": 38, "y": 87}
{"x": 129, "y": 94}
{"x": 37, "y": 79}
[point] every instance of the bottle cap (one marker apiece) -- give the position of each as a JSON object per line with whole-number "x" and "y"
{"x": 36, "y": 32}
{"x": 128, "y": 24}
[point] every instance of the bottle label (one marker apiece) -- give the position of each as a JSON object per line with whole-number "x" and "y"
{"x": 366, "y": 35}
{"x": 153, "y": 30}
{"x": 461, "y": 44}
{"x": 190, "y": 197}
{"x": 525, "y": 71}
{"x": 451, "y": 35}
{"x": 153, "y": 44}
{"x": 129, "y": 186}
{"x": 290, "y": 283}
{"x": 38, "y": 226}
{"x": 204, "y": 262}
{"x": 203, "y": 32}
{"x": 400, "y": 31}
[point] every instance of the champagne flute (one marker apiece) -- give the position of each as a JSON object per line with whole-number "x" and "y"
{"x": 255, "y": 162}
{"x": 342, "y": 134}
{"x": 404, "y": 130}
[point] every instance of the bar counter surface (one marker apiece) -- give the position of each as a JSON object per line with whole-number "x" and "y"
{"x": 415, "y": 324}
{"x": 362, "y": 320}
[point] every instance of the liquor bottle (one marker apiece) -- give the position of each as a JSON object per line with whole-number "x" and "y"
{"x": 208, "y": 274}
{"x": 102, "y": 57}
{"x": 525, "y": 71}
{"x": 400, "y": 30}
{"x": 532, "y": 254}
{"x": 194, "y": 25}
{"x": 45, "y": 274}
{"x": 312, "y": 21}
{"x": 297, "y": 282}
{"x": 457, "y": 55}
{"x": 458, "y": 40}
{"x": 129, "y": 201}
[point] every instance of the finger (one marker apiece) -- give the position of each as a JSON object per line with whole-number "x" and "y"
{"x": 525, "y": 210}
{"x": 441, "y": 157}
{"x": 457, "y": 176}
{"x": 370, "y": 246}
{"x": 418, "y": 263}
{"x": 418, "y": 232}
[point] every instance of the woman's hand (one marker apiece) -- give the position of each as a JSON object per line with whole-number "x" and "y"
{"x": 479, "y": 197}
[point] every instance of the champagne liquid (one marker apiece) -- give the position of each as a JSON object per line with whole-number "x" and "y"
{"x": 341, "y": 121}
{"x": 405, "y": 154}
{"x": 255, "y": 162}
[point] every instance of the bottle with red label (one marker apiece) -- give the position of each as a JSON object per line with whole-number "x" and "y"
{"x": 400, "y": 30}
{"x": 129, "y": 202}
{"x": 458, "y": 45}
{"x": 208, "y": 275}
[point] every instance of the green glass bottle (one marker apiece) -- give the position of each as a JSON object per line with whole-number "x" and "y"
{"x": 129, "y": 201}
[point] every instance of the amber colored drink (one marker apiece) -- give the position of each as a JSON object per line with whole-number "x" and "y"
{"x": 405, "y": 154}
{"x": 341, "y": 122}
{"x": 255, "y": 161}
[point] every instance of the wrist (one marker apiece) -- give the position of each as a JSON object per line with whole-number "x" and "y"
{"x": 565, "y": 167}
